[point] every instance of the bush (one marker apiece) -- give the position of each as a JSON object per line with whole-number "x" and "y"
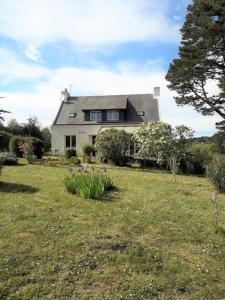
{"x": 87, "y": 151}
{"x": 196, "y": 159}
{"x": 4, "y": 141}
{"x": 74, "y": 160}
{"x": 88, "y": 184}
{"x": 28, "y": 151}
{"x": 71, "y": 152}
{"x": 190, "y": 164}
{"x": 112, "y": 145}
{"x": 15, "y": 145}
{"x": 38, "y": 147}
{"x": 8, "y": 158}
{"x": 216, "y": 172}
{"x": 17, "y": 141}
{"x": 47, "y": 146}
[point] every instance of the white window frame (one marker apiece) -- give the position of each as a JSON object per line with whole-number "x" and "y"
{"x": 95, "y": 115}
{"x": 71, "y": 137}
{"x": 113, "y": 115}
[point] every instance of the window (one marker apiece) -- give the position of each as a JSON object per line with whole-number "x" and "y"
{"x": 113, "y": 115}
{"x": 70, "y": 141}
{"x": 141, "y": 113}
{"x": 95, "y": 116}
{"x": 72, "y": 115}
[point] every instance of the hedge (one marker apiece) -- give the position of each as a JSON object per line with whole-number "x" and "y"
{"x": 4, "y": 140}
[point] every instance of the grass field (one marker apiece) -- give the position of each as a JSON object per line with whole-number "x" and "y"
{"x": 149, "y": 239}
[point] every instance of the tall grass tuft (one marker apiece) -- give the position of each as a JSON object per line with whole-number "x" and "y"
{"x": 88, "y": 184}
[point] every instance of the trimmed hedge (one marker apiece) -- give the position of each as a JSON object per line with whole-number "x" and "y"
{"x": 4, "y": 140}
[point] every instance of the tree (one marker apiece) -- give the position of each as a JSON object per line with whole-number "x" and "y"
{"x": 201, "y": 59}
{"x": 219, "y": 141}
{"x": 112, "y": 145}
{"x": 46, "y": 134}
{"x": 32, "y": 128}
{"x": 14, "y": 127}
{"x": 183, "y": 136}
{"x": 154, "y": 140}
{"x": 168, "y": 145}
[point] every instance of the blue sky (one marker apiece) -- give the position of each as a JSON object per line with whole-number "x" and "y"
{"x": 90, "y": 47}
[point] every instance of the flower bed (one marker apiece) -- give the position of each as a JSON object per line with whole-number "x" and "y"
{"x": 88, "y": 183}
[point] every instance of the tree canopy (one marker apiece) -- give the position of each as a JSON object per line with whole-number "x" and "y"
{"x": 162, "y": 141}
{"x": 201, "y": 59}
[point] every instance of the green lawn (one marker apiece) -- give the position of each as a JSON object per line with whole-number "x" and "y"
{"x": 150, "y": 239}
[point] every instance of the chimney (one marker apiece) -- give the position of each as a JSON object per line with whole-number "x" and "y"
{"x": 65, "y": 95}
{"x": 156, "y": 92}
{"x": 156, "y": 96}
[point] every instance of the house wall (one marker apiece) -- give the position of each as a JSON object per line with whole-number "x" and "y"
{"x": 83, "y": 135}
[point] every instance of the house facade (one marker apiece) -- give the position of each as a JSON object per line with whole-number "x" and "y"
{"x": 80, "y": 119}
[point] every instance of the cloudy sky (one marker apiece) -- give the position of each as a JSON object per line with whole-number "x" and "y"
{"x": 92, "y": 48}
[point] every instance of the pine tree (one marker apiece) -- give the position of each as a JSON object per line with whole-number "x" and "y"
{"x": 201, "y": 59}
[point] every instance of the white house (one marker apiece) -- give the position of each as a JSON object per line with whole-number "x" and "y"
{"x": 80, "y": 119}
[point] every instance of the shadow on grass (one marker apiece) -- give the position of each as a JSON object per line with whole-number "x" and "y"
{"x": 111, "y": 195}
{"x": 9, "y": 187}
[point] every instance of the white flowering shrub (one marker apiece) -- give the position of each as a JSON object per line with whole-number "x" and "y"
{"x": 163, "y": 142}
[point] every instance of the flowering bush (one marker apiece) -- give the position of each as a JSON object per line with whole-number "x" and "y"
{"x": 86, "y": 183}
{"x": 28, "y": 151}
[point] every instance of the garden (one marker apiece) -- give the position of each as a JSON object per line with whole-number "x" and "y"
{"x": 72, "y": 228}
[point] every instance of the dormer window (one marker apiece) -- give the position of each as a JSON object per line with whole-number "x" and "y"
{"x": 95, "y": 116}
{"x": 72, "y": 115}
{"x": 112, "y": 115}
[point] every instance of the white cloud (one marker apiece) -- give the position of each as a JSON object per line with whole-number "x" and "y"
{"x": 87, "y": 23}
{"x": 32, "y": 53}
{"x": 44, "y": 100}
{"x": 11, "y": 68}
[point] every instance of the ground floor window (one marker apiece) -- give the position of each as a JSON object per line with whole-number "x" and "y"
{"x": 70, "y": 141}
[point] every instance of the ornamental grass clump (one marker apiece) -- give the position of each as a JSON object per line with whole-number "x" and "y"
{"x": 91, "y": 184}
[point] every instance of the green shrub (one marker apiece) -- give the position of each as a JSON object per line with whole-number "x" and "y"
{"x": 4, "y": 141}
{"x": 8, "y": 158}
{"x": 196, "y": 159}
{"x": 38, "y": 147}
{"x": 203, "y": 152}
{"x": 190, "y": 164}
{"x": 88, "y": 184}
{"x": 70, "y": 152}
{"x": 112, "y": 145}
{"x": 47, "y": 146}
{"x": 216, "y": 172}
{"x": 74, "y": 160}
{"x": 87, "y": 149}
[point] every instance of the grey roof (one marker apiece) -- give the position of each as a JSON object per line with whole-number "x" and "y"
{"x": 131, "y": 103}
